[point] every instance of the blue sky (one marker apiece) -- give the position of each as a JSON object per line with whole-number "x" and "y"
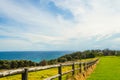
{"x": 27, "y": 25}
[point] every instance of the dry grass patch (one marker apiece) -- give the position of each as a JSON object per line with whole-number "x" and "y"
{"x": 85, "y": 74}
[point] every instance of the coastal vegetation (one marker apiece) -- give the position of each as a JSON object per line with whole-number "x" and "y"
{"x": 106, "y": 57}
{"x": 13, "y": 64}
{"x": 83, "y": 55}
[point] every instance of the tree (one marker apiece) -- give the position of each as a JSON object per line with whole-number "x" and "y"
{"x": 43, "y": 63}
{"x": 21, "y": 63}
{"x": 5, "y": 66}
{"x": 69, "y": 58}
{"x": 62, "y": 59}
{"x": 91, "y": 55}
{"x": 14, "y": 64}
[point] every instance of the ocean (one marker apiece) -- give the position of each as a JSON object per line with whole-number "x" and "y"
{"x": 35, "y": 56}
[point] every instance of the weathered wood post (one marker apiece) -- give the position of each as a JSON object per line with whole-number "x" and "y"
{"x": 80, "y": 65}
{"x": 84, "y": 64}
{"x": 87, "y": 65}
{"x": 73, "y": 68}
{"x": 25, "y": 74}
{"x": 60, "y": 72}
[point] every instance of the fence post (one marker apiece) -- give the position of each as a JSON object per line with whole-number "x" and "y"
{"x": 84, "y": 64}
{"x": 60, "y": 72}
{"x": 73, "y": 68}
{"x": 80, "y": 65}
{"x": 25, "y": 74}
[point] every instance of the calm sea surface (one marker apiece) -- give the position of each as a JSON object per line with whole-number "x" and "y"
{"x": 35, "y": 56}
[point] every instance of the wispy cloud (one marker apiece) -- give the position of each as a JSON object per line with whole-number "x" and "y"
{"x": 58, "y": 24}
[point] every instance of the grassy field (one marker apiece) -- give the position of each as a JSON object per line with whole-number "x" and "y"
{"x": 40, "y": 75}
{"x": 107, "y": 69}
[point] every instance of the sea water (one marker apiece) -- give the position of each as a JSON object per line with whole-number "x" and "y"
{"x": 35, "y": 56}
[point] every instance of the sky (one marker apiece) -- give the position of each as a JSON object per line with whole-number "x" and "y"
{"x": 48, "y": 25}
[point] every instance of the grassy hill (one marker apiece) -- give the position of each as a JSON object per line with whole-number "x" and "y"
{"x": 107, "y": 69}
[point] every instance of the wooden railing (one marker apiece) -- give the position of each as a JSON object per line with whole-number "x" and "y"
{"x": 83, "y": 66}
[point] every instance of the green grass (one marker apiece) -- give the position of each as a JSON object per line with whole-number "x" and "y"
{"x": 41, "y": 75}
{"x": 107, "y": 69}
{"x": 38, "y": 75}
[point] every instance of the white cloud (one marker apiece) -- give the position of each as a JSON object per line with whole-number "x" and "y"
{"x": 95, "y": 18}
{"x": 32, "y": 16}
{"x": 101, "y": 19}
{"x": 116, "y": 40}
{"x": 14, "y": 44}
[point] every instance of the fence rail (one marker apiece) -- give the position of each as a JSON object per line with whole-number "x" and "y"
{"x": 24, "y": 72}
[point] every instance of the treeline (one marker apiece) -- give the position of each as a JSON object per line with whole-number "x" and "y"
{"x": 82, "y": 55}
{"x": 11, "y": 64}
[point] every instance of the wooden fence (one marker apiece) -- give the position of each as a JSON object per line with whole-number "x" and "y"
{"x": 83, "y": 66}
